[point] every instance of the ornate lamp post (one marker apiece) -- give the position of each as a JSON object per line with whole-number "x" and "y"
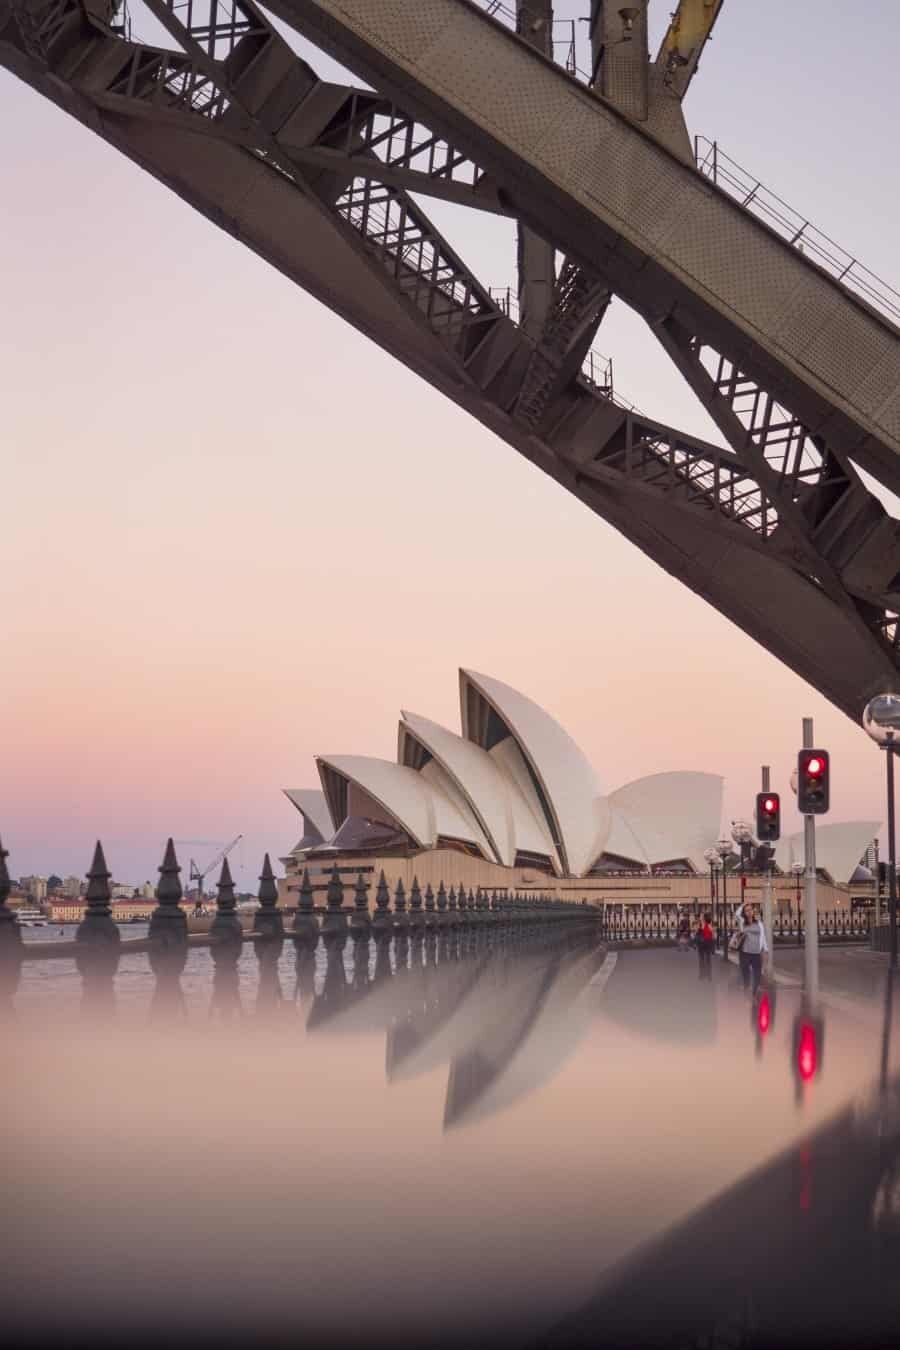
{"x": 723, "y": 848}
{"x": 711, "y": 856}
{"x": 881, "y": 721}
{"x": 798, "y": 868}
{"x": 742, "y": 835}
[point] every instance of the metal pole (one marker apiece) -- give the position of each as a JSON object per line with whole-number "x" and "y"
{"x": 892, "y": 860}
{"x": 724, "y": 924}
{"x": 812, "y": 912}
{"x": 877, "y": 892}
{"x": 767, "y": 893}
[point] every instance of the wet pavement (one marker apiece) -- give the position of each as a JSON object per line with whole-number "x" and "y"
{"x": 463, "y": 1138}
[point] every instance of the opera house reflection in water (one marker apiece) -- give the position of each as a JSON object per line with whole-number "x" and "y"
{"x": 481, "y": 1136}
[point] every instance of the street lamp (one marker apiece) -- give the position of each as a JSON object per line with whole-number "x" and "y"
{"x": 881, "y": 721}
{"x": 711, "y": 856}
{"x": 742, "y": 835}
{"x": 798, "y": 868}
{"x": 723, "y": 848}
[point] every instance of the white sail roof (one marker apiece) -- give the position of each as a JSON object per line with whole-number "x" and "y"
{"x": 425, "y": 805}
{"x": 477, "y": 776}
{"x": 671, "y": 815}
{"x": 567, "y": 781}
{"x": 530, "y": 829}
{"x": 839, "y": 847}
{"x": 401, "y": 792}
{"x": 313, "y": 806}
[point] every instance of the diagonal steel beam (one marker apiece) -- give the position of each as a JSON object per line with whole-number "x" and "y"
{"x": 369, "y": 252}
{"x": 617, "y": 200}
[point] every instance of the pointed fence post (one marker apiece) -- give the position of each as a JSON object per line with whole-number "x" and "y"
{"x": 306, "y": 924}
{"x": 401, "y": 918}
{"x": 401, "y": 928}
{"x": 430, "y": 911}
{"x": 382, "y": 929}
{"x": 226, "y": 923}
{"x": 168, "y": 922}
{"x": 442, "y": 905}
{"x": 98, "y": 924}
{"x": 335, "y": 921}
{"x": 360, "y": 921}
{"x": 416, "y": 914}
{"x": 10, "y": 936}
{"x": 381, "y": 919}
{"x": 360, "y": 931}
{"x": 269, "y": 920}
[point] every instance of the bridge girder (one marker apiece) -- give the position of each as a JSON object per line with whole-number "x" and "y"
{"x": 778, "y": 532}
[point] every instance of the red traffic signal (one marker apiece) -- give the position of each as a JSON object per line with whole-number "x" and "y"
{"x": 768, "y": 817}
{"x": 813, "y": 782}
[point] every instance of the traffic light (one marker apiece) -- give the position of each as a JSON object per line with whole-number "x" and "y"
{"x": 813, "y": 782}
{"x": 768, "y": 817}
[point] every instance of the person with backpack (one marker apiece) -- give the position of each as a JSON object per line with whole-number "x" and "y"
{"x": 706, "y": 941}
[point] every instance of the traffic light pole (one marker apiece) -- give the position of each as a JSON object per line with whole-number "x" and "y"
{"x": 812, "y": 912}
{"x": 892, "y": 850}
{"x": 767, "y": 891}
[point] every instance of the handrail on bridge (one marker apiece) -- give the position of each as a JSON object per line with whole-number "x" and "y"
{"x": 754, "y": 196}
{"x": 750, "y": 192}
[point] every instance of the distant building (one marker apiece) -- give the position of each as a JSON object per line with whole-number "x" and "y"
{"x": 35, "y": 888}
{"x": 147, "y": 891}
{"x": 511, "y": 803}
{"x": 870, "y": 858}
{"x": 71, "y": 888}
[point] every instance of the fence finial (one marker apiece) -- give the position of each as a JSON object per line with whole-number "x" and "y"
{"x": 168, "y": 921}
{"x": 226, "y": 923}
{"x": 97, "y": 924}
{"x": 9, "y": 924}
{"x": 306, "y": 925}
{"x": 269, "y": 919}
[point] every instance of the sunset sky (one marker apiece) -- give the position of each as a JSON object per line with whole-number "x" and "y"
{"x": 236, "y": 534}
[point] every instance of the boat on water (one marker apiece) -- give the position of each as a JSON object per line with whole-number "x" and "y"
{"x": 31, "y": 918}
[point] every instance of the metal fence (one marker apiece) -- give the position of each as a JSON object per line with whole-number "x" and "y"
{"x": 661, "y": 925}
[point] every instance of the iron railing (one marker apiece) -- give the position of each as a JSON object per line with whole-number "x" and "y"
{"x": 596, "y": 368}
{"x": 660, "y": 924}
{"x": 754, "y": 196}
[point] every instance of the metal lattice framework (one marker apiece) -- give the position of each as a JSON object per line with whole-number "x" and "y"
{"x": 777, "y": 530}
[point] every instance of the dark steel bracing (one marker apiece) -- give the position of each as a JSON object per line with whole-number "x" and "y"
{"x": 778, "y": 531}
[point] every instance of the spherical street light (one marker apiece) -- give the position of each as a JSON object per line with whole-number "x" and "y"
{"x": 881, "y": 721}
{"x": 741, "y": 832}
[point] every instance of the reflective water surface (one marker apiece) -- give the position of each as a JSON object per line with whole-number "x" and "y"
{"x": 444, "y": 1138}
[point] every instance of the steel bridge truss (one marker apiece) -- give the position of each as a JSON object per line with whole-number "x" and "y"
{"x": 326, "y": 181}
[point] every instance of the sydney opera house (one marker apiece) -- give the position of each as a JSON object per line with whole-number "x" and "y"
{"x": 513, "y": 803}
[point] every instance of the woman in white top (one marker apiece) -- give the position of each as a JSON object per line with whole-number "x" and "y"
{"x": 754, "y": 948}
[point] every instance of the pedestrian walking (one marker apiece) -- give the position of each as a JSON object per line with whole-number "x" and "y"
{"x": 755, "y": 946}
{"x": 684, "y": 933}
{"x": 706, "y": 941}
{"x": 743, "y": 919}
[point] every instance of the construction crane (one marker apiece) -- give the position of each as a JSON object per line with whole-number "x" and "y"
{"x": 199, "y": 874}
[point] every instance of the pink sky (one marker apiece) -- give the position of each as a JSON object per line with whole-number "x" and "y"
{"x": 236, "y": 534}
